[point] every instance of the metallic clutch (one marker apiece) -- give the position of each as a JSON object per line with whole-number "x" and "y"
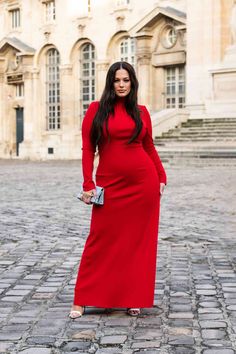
{"x": 98, "y": 199}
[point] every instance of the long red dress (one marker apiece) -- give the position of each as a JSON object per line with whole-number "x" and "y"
{"x": 118, "y": 264}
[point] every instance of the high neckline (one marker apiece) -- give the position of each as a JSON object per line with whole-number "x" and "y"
{"x": 120, "y": 101}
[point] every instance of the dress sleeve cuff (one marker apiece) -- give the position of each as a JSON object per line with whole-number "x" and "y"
{"x": 88, "y": 186}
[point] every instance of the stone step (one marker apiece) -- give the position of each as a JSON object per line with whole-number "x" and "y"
{"x": 198, "y": 134}
{"x": 211, "y": 120}
{"x": 208, "y": 124}
{"x": 229, "y": 123}
{"x": 168, "y": 139}
{"x": 197, "y": 160}
{"x": 218, "y": 120}
{"x": 203, "y": 128}
{"x": 171, "y": 155}
{"x": 207, "y": 127}
{"x": 197, "y": 147}
{"x": 200, "y": 138}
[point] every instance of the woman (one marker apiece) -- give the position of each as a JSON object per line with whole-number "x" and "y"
{"x": 118, "y": 264}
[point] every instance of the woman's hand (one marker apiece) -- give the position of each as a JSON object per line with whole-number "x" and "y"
{"x": 162, "y": 187}
{"x": 86, "y": 196}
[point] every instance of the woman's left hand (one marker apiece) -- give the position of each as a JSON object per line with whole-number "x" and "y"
{"x": 162, "y": 187}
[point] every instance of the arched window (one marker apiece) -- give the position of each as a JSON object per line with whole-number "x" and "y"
{"x": 127, "y": 50}
{"x": 53, "y": 89}
{"x": 87, "y": 75}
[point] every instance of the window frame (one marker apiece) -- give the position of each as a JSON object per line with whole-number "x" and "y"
{"x": 128, "y": 43}
{"x": 175, "y": 86}
{"x": 50, "y": 11}
{"x": 53, "y": 90}
{"x": 169, "y": 41}
{"x": 87, "y": 76}
{"x": 19, "y": 90}
{"x": 15, "y": 17}
{"x": 120, "y": 4}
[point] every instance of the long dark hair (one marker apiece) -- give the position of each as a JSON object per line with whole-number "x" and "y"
{"x": 108, "y": 100}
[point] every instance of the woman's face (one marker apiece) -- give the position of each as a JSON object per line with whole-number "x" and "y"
{"x": 122, "y": 83}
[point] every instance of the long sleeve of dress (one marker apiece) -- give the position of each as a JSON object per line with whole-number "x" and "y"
{"x": 88, "y": 149}
{"x": 150, "y": 148}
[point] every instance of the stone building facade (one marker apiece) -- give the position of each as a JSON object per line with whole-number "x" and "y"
{"x": 54, "y": 55}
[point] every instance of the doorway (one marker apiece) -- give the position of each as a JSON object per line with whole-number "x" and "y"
{"x": 19, "y": 128}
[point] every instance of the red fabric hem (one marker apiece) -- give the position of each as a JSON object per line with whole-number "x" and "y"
{"x": 133, "y": 305}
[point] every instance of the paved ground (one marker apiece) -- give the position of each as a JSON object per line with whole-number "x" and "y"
{"x": 43, "y": 230}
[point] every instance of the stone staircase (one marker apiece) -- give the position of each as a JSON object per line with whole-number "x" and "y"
{"x": 213, "y": 138}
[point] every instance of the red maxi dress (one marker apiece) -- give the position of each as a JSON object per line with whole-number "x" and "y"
{"x": 118, "y": 264}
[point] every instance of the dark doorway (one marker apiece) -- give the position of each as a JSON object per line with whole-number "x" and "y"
{"x": 19, "y": 128}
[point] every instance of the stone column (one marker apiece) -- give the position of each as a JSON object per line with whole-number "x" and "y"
{"x": 224, "y": 76}
{"x": 26, "y": 147}
{"x": 38, "y": 116}
{"x": 6, "y": 119}
{"x": 1, "y": 115}
{"x": 69, "y": 119}
{"x": 37, "y": 106}
{"x": 203, "y": 51}
{"x": 102, "y": 67}
{"x": 28, "y": 106}
{"x": 233, "y": 23}
{"x": 230, "y": 53}
{"x": 67, "y": 98}
{"x": 9, "y": 120}
{"x": 144, "y": 68}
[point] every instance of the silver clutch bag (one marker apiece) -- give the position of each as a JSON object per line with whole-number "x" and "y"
{"x": 98, "y": 199}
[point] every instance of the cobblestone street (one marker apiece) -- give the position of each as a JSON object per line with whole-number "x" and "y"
{"x": 43, "y": 231}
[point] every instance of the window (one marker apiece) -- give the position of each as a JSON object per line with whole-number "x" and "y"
{"x": 15, "y": 18}
{"x": 121, "y": 3}
{"x": 127, "y": 50}
{"x": 169, "y": 36}
{"x": 175, "y": 87}
{"x": 50, "y": 11}
{"x": 87, "y": 75}
{"x": 19, "y": 90}
{"x": 17, "y": 60}
{"x": 89, "y": 6}
{"x": 53, "y": 90}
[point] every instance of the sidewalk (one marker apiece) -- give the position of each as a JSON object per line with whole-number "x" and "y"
{"x": 43, "y": 231}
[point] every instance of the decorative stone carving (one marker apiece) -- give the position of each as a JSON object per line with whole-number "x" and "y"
{"x": 35, "y": 73}
{"x": 120, "y": 19}
{"x": 144, "y": 58}
{"x": 82, "y": 23}
{"x": 47, "y": 35}
{"x": 102, "y": 66}
{"x": 66, "y": 69}
{"x": 81, "y": 28}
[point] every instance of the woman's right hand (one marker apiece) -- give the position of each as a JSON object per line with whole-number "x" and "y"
{"x": 86, "y": 196}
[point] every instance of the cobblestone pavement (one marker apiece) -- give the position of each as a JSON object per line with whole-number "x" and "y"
{"x": 43, "y": 231}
